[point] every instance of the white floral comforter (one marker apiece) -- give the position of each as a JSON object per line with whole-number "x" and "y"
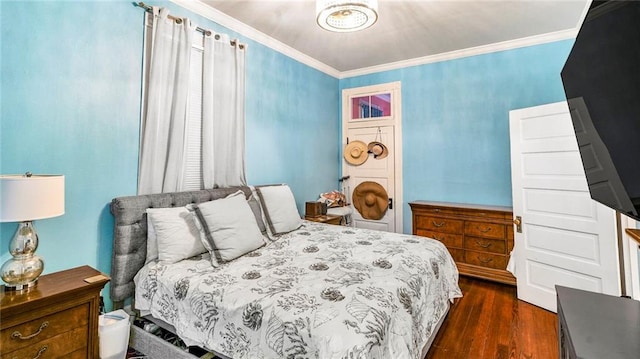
{"x": 321, "y": 291}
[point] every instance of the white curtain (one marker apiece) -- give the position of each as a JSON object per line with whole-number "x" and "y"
{"x": 163, "y": 128}
{"x": 171, "y": 110}
{"x": 223, "y": 122}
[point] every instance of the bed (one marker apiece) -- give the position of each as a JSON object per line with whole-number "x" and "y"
{"x": 319, "y": 291}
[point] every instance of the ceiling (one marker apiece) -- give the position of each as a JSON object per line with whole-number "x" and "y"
{"x": 408, "y": 30}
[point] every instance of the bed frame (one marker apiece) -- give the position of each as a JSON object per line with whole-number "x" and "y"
{"x": 130, "y": 237}
{"x": 130, "y": 232}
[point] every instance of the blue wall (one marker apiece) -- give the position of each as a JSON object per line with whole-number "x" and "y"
{"x": 71, "y": 84}
{"x": 455, "y": 120}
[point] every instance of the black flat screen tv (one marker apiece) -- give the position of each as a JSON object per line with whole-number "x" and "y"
{"x": 601, "y": 79}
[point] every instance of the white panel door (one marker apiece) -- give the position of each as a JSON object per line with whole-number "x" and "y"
{"x": 380, "y": 171}
{"x": 567, "y": 238}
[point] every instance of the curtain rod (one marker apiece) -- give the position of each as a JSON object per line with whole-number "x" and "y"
{"x": 179, "y": 21}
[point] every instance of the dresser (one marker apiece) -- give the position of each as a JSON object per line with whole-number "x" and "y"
{"x": 56, "y": 318}
{"x": 594, "y": 325}
{"x": 479, "y": 238}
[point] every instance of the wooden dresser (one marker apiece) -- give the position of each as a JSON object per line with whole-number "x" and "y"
{"x": 479, "y": 238}
{"x": 56, "y": 318}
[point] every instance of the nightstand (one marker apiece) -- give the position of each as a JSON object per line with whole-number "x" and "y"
{"x": 326, "y": 218}
{"x": 58, "y": 317}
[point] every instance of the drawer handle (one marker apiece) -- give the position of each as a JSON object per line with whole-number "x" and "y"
{"x": 485, "y": 230}
{"x": 438, "y": 224}
{"x": 483, "y": 245}
{"x": 40, "y": 352}
{"x": 438, "y": 238}
{"x": 437, "y": 210}
{"x": 484, "y": 260}
{"x": 18, "y": 335}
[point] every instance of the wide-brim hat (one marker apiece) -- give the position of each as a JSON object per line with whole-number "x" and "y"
{"x": 356, "y": 152}
{"x": 371, "y": 200}
{"x": 378, "y": 149}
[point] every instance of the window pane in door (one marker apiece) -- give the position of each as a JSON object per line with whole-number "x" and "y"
{"x": 381, "y": 105}
{"x": 360, "y": 107}
{"x": 366, "y": 107}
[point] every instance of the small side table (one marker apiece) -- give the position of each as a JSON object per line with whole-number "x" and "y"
{"x": 326, "y": 218}
{"x": 56, "y": 318}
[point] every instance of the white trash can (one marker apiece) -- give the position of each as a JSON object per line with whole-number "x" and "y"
{"x": 113, "y": 332}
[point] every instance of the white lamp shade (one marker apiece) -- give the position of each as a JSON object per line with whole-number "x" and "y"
{"x": 29, "y": 198}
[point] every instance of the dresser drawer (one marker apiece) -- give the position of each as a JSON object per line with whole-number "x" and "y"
{"x": 439, "y": 224}
{"x": 72, "y": 343}
{"x": 485, "y": 245}
{"x": 487, "y": 260}
{"x": 484, "y": 229}
{"x": 448, "y": 239}
{"x": 28, "y": 333}
{"x": 439, "y": 210}
{"x": 457, "y": 254}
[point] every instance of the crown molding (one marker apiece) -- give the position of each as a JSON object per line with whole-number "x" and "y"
{"x": 249, "y": 32}
{"x": 472, "y": 51}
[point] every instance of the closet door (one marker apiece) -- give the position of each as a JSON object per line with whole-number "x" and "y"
{"x": 373, "y": 113}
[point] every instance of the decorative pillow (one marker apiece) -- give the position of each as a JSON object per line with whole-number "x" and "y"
{"x": 152, "y": 242}
{"x": 230, "y": 227}
{"x": 279, "y": 207}
{"x": 177, "y": 235}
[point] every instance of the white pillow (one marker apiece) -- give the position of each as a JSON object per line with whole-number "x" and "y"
{"x": 152, "y": 242}
{"x": 230, "y": 227}
{"x": 279, "y": 208}
{"x": 177, "y": 234}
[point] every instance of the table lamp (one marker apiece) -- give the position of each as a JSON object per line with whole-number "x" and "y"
{"x": 25, "y": 198}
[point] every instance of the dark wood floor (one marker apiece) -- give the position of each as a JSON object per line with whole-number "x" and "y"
{"x": 489, "y": 322}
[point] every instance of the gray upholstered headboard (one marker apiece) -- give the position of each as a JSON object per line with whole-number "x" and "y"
{"x": 130, "y": 232}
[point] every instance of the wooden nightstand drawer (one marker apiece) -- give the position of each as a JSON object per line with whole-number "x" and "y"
{"x": 325, "y": 218}
{"x": 26, "y": 334}
{"x": 449, "y": 240}
{"x": 487, "y": 260}
{"x": 72, "y": 341}
{"x": 484, "y": 229}
{"x": 68, "y": 302}
{"x": 440, "y": 224}
{"x": 485, "y": 245}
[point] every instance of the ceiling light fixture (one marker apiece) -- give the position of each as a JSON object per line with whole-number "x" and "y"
{"x": 346, "y": 15}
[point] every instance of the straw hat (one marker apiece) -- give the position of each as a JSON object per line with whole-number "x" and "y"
{"x": 355, "y": 152}
{"x": 371, "y": 200}
{"x": 378, "y": 149}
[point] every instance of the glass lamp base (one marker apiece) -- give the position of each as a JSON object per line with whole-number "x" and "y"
{"x": 22, "y": 273}
{"x": 20, "y": 287}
